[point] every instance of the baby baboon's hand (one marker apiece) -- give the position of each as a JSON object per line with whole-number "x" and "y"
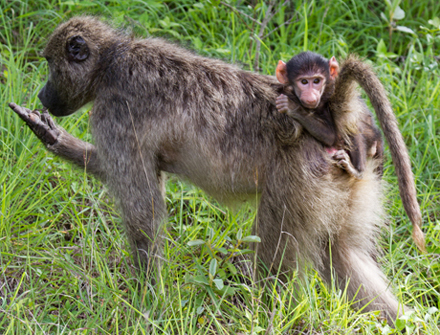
{"x": 282, "y": 104}
{"x": 40, "y": 123}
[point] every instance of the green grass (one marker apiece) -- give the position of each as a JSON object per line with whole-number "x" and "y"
{"x": 65, "y": 266}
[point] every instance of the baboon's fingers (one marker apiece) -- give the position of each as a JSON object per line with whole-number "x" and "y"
{"x": 341, "y": 154}
{"x": 46, "y": 118}
{"x": 349, "y": 168}
{"x": 343, "y": 161}
{"x": 37, "y": 125}
{"x": 32, "y": 118}
{"x": 22, "y": 112}
{"x": 282, "y": 104}
{"x": 282, "y": 99}
{"x": 37, "y": 113}
{"x": 345, "y": 165}
{"x": 25, "y": 114}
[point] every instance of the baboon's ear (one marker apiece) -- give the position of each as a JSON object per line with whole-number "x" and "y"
{"x": 334, "y": 67}
{"x": 77, "y": 49}
{"x": 281, "y": 73}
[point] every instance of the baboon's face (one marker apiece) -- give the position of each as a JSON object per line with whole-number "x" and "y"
{"x": 71, "y": 56}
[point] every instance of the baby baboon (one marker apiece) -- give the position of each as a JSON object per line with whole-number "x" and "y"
{"x": 160, "y": 108}
{"x": 309, "y": 81}
{"x": 331, "y": 110}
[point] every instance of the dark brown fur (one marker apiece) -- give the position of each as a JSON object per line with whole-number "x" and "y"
{"x": 160, "y": 108}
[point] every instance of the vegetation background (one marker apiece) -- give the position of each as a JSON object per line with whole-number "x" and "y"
{"x": 65, "y": 266}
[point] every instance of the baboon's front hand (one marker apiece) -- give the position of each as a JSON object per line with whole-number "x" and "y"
{"x": 40, "y": 123}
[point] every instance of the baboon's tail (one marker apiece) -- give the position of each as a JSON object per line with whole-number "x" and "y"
{"x": 363, "y": 74}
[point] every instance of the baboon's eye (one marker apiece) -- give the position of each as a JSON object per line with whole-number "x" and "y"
{"x": 304, "y": 81}
{"x": 317, "y": 80}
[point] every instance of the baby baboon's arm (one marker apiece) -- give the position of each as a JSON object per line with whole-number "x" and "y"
{"x": 320, "y": 126}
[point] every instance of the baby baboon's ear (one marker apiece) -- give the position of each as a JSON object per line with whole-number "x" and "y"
{"x": 281, "y": 73}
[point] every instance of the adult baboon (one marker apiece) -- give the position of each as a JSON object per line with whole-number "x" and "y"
{"x": 160, "y": 108}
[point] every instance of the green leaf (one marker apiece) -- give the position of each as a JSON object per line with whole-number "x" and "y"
{"x": 405, "y": 30}
{"x": 416, "y": 57}
{"x": 387, "y": 330}
{"x": 221, "y": 273}
{"x": 223, "y": 51}
{"x": 399, "y": 14}
{"x": 248, "y": 315}
{"x": 232, "y": 268}
{"x": 173, "y": 32}
{"x": 218, "y": 283}
{"x": 211, "y": 233}
{"x": 432, "y": 310}
{"x": 195, "y": 243}
{"x": 394, "y": 4}
{"x": 400, "y": 324}
{"x": 80, "y": 4}
{"x": 197, "y": 43}
{"x": 258, "y": 329}
{"x": 222, "y": 250}
{"x": 381, "y": 47}
{"x": 200, "y": 280}
{"x": 381, "y": 51}
{"x": 435, "y": 22}
{"x": 429, "y": 313}
{"x": 252, "y": 238}
{"x": 239, "y": 234}
{"x": 213, "y": 267}
{"x": 228, "y": 291}
{"x": 384, "y": 17}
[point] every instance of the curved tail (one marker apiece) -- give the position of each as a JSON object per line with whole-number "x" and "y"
{"x": 354, "y": 69}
